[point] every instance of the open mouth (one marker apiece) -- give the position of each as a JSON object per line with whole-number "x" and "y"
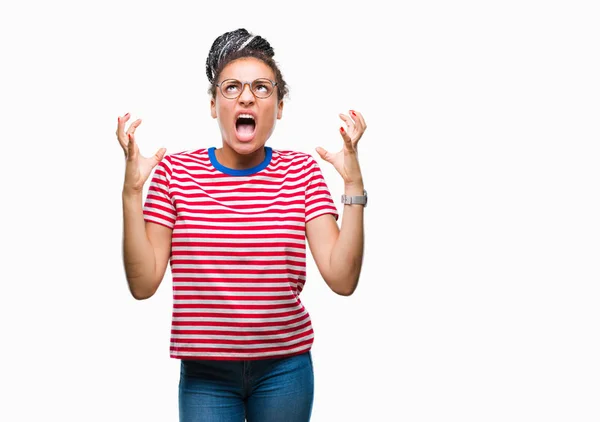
{"x": 245, "y": 126}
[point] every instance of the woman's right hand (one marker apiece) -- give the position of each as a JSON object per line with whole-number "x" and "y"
{"x": 137, "y": 167}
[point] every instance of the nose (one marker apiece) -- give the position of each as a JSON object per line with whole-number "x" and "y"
{"x": 246, "y": 97}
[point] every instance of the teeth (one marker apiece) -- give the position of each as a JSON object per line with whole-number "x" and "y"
{"x": 245, "y": 116}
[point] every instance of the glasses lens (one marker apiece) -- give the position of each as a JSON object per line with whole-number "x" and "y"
{"x": 262, "y": 88}
{"x": 231, "y": 88}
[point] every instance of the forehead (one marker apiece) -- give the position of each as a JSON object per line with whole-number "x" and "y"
{"x": 247, "y": 69}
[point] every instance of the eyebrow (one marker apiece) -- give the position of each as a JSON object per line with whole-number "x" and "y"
{"x": 236, "y": 79}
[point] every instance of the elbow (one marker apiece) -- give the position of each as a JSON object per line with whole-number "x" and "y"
{"x": 344, "y": 292}
{"x": 344, "y": 284}
{"x": 141, "y": 292}
{"x": 139, "y": 296}
{"x": 345, "y": 289}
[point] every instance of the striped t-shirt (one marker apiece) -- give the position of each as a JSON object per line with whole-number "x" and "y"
{"x": 238, "y": 255}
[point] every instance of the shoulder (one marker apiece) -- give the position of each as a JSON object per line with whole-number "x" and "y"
{"x": 187, "y": 154}
{"x": 294, "y": 157}
{"x": 184, "y": 158}
{"x": 181, "y": 161}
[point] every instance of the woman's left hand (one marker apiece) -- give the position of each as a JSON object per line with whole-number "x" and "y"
{"x": 346, "y": 160}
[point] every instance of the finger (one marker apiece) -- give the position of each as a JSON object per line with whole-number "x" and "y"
{"x": 358, "y": 117}
{"x": 121, "y": 123}
{"x": 359, "y": 125}
{"x": 134, "y": 126}
{"x": 122, "y": 140}
{"x": 349, "y": 122}
{"x": 120, "y": 132}
{"x": 131, "y": 147}
{"x": 323, "y": 153}
{"x": 347, "y": 139}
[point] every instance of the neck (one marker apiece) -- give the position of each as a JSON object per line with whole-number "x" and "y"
{"x": 228, "y": 157}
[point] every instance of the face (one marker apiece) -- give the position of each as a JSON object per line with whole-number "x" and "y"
{"x": 241, "y": 134}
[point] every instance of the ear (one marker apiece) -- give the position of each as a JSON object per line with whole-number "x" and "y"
{"x": 279, "y": 109}
{"x": 213, "y": 108}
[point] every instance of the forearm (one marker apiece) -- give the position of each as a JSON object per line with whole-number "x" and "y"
{"x": 347, "y": 252}
{"x": 138, "y": 254}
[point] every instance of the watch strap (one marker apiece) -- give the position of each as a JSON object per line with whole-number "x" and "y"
{"x": 349, "y": 200}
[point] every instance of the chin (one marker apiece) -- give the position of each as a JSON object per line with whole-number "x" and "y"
{"x": 246, "y": 147}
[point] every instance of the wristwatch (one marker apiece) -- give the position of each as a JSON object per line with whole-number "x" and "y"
{"x": 362, "y": 200}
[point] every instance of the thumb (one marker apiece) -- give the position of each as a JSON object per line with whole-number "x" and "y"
{"x": 160, "y": 154}
{"x": 323, "y": 153}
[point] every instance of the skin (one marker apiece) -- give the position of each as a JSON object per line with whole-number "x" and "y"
{"x": 337, "y": 251}
{"x": 234, "y": 153}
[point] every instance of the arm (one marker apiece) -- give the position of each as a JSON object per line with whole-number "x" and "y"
{"x": 146, "y": 249}
{"x": 146, "y": 246}
{"x": 338, "y": 253}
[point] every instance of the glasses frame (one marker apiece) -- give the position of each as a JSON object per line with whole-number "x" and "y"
{"x": 244, "y": 83}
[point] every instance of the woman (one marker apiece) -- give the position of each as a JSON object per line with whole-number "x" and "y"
{"x": 233, "y": 222}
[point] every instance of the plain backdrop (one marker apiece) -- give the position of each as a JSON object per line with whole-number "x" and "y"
{"x": 479, "y": 296}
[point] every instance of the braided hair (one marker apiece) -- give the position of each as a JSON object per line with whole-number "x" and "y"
{"x": 239, "y": 44}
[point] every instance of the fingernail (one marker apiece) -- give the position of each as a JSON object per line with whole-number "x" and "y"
{"x": 353, "y": 113}
{"x": 342, "y": 130}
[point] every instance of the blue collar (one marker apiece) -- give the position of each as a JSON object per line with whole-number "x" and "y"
{"x": 236, "y": 172}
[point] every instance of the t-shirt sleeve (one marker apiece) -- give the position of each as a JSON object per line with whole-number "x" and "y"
{"x": 318, "y": 199}
{"x": 159, "y": 207}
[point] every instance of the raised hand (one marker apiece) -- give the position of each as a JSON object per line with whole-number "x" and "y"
{"x": 346, "y": 160}
{"x": 137, "y": 167}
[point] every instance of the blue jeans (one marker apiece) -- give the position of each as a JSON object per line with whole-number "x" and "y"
{"x": 269, "y": 390}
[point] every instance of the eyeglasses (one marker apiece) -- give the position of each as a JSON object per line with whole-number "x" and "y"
{"x": 261, "y": 88}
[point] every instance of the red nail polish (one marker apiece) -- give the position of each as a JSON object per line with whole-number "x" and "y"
{"x": 342, "y": 130}
{"x": 353, "y": 113}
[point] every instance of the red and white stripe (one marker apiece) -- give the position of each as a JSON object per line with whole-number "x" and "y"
{"x": 238, "y": 253}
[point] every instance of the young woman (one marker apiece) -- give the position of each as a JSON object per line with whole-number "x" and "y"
{"x": 233, "y": 222}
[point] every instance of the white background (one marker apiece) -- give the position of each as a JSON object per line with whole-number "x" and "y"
{"x": 479, "y": 296}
